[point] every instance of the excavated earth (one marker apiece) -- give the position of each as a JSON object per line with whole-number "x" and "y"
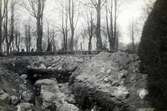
{"x": 105, "y": 82}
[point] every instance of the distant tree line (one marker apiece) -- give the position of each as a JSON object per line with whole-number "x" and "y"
{"x": 12, "y": 36}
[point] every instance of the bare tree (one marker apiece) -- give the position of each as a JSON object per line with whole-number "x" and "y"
{"x": 135, "y": 32}
{"x": 9, "y": 28}
{"x": 90, "y": 30}
{"x": 12, "y": 22}
{"x": 28, "y": 37}
{"x": 71, "y": 16}
{"x": 48, "y": 36}
{"x": 98, "y": 6}
{"x": 132, "y": 33}
{"x": 17, "y": 40}
{"x": 115, "y": 25}
{"x": 109, "y": 25}
{"x": 64, "y": 29}
{"x": 5, "y": 25}
{"x": 49, "y": 44}
{"x": 36, "y": 9}
{"x": 51, "y": 41}
{"x": 2, "y": 15}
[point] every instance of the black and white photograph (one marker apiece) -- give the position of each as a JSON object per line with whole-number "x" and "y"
{"x": 83, "y": 55}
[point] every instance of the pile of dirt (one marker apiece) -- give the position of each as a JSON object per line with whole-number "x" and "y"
{"x": 106, "y": 82}
{"x": 110, "y": 82}
{"x": 36, "y": 82}
{"x": 13, "y": 89}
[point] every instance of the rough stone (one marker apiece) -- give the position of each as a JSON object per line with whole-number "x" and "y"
{"x": 27, "y": 95}
{"x": 24, "y": 76}
{"x": 52, "y": 96}
{"x": 68, "y": 107}
{"x": 4, "y": 96}
{"x": 105, "y": 82}
{"x": 25, "y": 107}
{"x": 50, "y": 93}
{"x": 14, "y": 100}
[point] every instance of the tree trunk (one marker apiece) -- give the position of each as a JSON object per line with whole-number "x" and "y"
{"x": 72, "y": 40}
{"x": 1, "y": 19}
{"x": 98, "y": 27}
{"x": 6, "y": 29}
{"x": 66, "y": 33}
{"x": 132, "y": 37}
{"x": 71, "y": 20}
{"x": 90, "y": 44}
{"x": 17, "y": 41}
{"x": 1, "y": 35}
{"x": 109, "y": 24}
{"x": 12, "y": 25}
{"x": 39, "y": 19}
{"x": 39, "y": 35}
{"x": 115, "y": 28}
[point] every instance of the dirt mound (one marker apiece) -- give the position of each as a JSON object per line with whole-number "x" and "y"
{"x": 18, "y": 76}
{"x": 110, "y": 82}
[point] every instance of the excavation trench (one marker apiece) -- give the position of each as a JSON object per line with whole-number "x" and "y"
{"x": 47, "y": 79}
{"x": 55, "y": 82}
{"x": 37, "y": 74}
{"x": 62, "y": 75}
{"x": 104, "y": 83}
